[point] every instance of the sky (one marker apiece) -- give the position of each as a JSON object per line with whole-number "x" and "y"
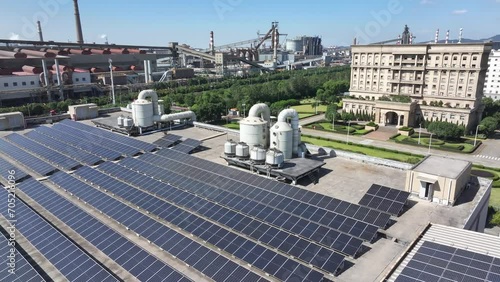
{"x": 158, "y": 22}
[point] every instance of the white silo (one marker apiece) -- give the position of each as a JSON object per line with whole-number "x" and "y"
{"x": 254, "y": 130}
{"x": 282, "y": 138}
{"x": 142, "y": 113}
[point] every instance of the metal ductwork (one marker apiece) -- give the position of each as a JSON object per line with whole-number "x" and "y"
{"x": 144, "y": 94}
{"x": 260, "y": 110}
{"x": 294, "y": 122}
{"x": 182, "y": 115}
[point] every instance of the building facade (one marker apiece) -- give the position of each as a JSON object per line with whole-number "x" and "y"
{"x": 439, "y": 81}
{"x": 492, "y": 82}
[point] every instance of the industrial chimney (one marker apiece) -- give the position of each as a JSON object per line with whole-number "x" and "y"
{"x": 39, "y": 30}
{"x": 79, "y": 34}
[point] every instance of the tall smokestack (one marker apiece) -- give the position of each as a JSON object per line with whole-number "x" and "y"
{"x": 79, "y": 34}
{"x": 39, "y": 30}
{"x": 211, "y": 45}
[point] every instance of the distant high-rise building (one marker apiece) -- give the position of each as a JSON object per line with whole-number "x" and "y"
{"x": 442, "y": 82}
{"x": 492, "y": 81}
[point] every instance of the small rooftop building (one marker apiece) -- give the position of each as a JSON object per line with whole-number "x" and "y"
{"x": 438, "y": 179}
{"x": 11, "y": 120}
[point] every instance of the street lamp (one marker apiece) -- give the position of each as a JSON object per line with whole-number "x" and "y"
{"x": 475, "y": 137}
{"x": 419, "y": 131}
{"x": 333, "y": 122}
{"x": 243, "y": 109}
{"x": 430, "y": 143}
{"x": 112, "y": 81}
{"x": 348, "y": 127}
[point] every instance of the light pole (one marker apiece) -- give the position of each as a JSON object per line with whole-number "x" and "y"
{"x": 348, "y": 127}
{"x": 112, "y": 81}
{"x": 430, "y": 143}
{"x": 244, "y": 109}
{"x": 333, "y": 122}
{"x": 419, "y": 131}
{"x": 475, "y": 137}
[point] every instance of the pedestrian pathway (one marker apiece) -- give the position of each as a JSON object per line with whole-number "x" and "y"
{"x": 487, "y": 157}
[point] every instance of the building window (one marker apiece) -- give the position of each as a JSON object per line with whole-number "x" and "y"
{"x": 32, "y": 83}
{"x": 462, "y": 117}
{"x": 77, "y": 79}
{"x": 425, "y": 114}
{"x": 24, "y": 83}
{"x": 6, "y": 84}
{"x": 434, "y": 115}
{"x": 14, "y": 84}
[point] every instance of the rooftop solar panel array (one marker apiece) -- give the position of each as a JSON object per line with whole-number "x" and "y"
{"x": 167, "y": 140}
{"x": 385, "y": 199}
{"x": 437, "y": 262}
{"x": 250, "y": 182}
{"x": 201, "y": 258}
{"x": 10, "y": 172}
{"x": 265, "y": 219}
{"x": 26, "y": 159}
{"x": 135, "y": 260}
{"x": 98, "y": 139}
{"x": 289, "y": 244}
{"x": 78, "y": 141}
{"x": 63, "y": 148}
{"x": 147, "y": 147}
{"x": 47, "y": 154}
{"x": 69, "y": 259}
{"x": 187, "y": 146}
{"x": 22, "y": 270}
{"x": 262, "y": 199}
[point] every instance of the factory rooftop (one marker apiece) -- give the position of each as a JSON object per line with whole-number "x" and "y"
{"x": 340, "y": 178}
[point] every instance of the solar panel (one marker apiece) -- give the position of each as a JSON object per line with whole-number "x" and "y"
{"x": 167, "y": 140}
{"x": 437, "y": 262}
{"x": 227, "y": 203}
{"x": 145, "y": 146}
{"x": 10, "y": 172}
{"x": 385, "y": 199}
{"x": 207, "y": 262}
{"x": 332, "y": 219}
{"x": 73, "y": 152}
{"x": 91, "y": 229}
{"x": 88, "y": 145}
{"x": 47, "y": 154}
{"x": 250, "y": 182}
{"x": 68, "y": 258}
{"x": 21, "y": 270}
{"x": 99, "y": 140}
{"x": 209, "y": 232}
{"x": 187, "y": 146}
{"x": 26, "y": 159}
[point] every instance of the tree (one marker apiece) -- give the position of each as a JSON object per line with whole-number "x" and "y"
{"x": 488, "y": 125}
{"x": 445, "y": 130}
{"x": 331, "y": 112}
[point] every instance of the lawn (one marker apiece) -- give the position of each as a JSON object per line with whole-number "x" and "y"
{"x": 462, "y": 146}
{"x": 232, "y": 125}
{"x": 307, "y": 109}
{"x": 495, "y": 198}
{"x": 354, "y": 129}
{"x": 365, "y": 150}
{"x": 303, "y": 115}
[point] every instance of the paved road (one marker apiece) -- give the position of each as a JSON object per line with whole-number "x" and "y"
{"x": 489, "y": 146}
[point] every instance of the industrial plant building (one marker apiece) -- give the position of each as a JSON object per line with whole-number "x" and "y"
{"x": 444, "y": 82}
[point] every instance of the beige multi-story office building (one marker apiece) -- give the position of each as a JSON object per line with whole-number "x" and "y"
{"x": 442, "y": 81}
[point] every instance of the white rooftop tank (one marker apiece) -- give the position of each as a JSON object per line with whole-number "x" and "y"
{"x": 282, "y": 138}
{"x": 254, "y": 130}
{"x": 142, "y": 113}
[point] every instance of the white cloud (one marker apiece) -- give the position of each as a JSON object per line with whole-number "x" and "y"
{"x": 459, "y": 12}
{"x": 14, "y": 36}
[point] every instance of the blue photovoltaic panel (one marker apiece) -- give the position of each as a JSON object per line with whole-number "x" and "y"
{"x": 87, "y": 145}
{"x": 22, "y": 271}
{"x": 247, "y": 182}
{"x": 10, "y": 172}
{"x": 385, "y": 199}
{"x": 70, "y": 260}
{"x": 269, "y": 216}
{"x": 202, "y": 259}
{"x": 26, "y": 159}
{"x": 254, "y": 200}
{"x": 47, "y": 154}
{"x": 437, "y": 262}
{"x": 187, "y": 146}
{"x": 70, "y": 151}
{"x": 312, "y": 254}
{"x": 98, "y": 139}
{"x": 145, "y": 146}
{"x": 167, "y": 140}
{"x": 114, "y": 245}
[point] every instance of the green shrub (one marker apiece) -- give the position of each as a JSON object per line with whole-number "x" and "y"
{"x": 495, "y": 219}
{"x": 406, "y": 128}
{"x": 371, "y": 123}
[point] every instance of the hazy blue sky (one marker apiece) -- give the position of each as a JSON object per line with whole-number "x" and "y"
{"x": 157, "y": 22}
